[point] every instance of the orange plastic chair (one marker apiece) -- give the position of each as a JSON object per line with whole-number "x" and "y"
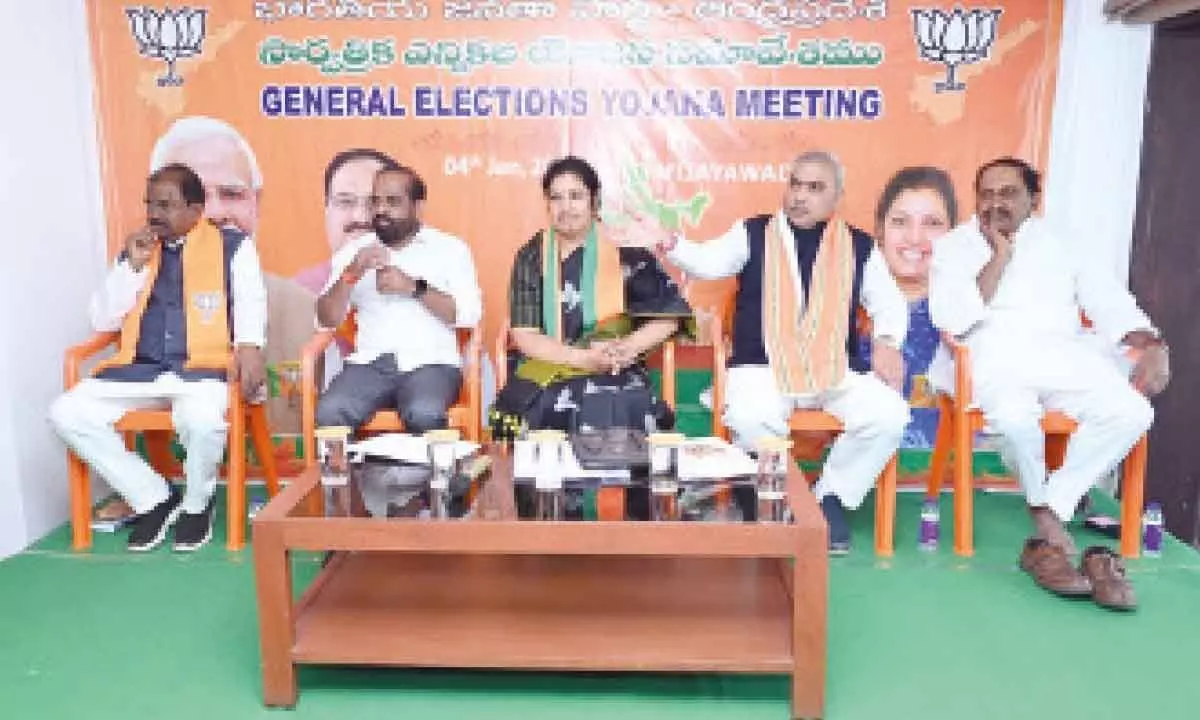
{"x": 610, "y": 501}
{"x": 464, "y": 414}
{"x": 156, "y": 427}
{"x": 958, "y": 422}
{"x": 807, "y": 422}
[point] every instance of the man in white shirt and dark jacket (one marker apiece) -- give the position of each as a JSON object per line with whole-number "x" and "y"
{"x": 802, "y": 274}
{"x": 185, "y": 296}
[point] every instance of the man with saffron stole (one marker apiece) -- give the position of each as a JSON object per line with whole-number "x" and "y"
{"x": 180, "y": 293}
{"x": 584, "y": 313}
{"x": 802, "y": 274}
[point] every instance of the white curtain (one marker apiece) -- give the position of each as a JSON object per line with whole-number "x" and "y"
{"x": 1096, "y": 134}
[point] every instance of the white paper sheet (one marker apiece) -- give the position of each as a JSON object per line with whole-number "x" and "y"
{"x": 405, "y": 448}
{"x": 713, "y": 459}
{"x": 702, "y": 459}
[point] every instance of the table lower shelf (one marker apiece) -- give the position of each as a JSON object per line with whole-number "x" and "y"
{"x": 548, "y": 613}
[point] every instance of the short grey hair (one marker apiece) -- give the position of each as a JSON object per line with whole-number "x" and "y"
{"x": 195, "y": 127}
{"x": 829, "y": 160}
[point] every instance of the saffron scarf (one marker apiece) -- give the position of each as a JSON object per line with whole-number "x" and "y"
{"x": 806, "y": 341}
{"x": 204, "y": 298}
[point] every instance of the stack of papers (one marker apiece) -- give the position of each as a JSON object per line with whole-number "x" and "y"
{"x": 404, "y": 448}
{"x": 713, "y": 459}
{"x": 701, "y": 459}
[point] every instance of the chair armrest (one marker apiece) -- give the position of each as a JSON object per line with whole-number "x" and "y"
{"x": 237, "y": 404}
{"x": 76, "y": 355}
{"x": 668, "y": 372}
{"x": 962, "y": 371}
{"x": 720, "y": 355}
{"x": 309, "y": 355}
{"x": 500, "y": 354}
{"x": 471, "y": 393}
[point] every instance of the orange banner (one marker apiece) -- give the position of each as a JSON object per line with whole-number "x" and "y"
{"x": 689, "y": 109}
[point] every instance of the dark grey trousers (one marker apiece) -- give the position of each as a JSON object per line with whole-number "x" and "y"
{"x": 422, "y": 396}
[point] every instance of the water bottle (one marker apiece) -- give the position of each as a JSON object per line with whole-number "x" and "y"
{"x": 1152, "y": 530}
{"x": 928, "y": 535}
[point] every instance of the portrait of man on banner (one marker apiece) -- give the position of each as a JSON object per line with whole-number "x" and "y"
{"x": 347, "y": 188}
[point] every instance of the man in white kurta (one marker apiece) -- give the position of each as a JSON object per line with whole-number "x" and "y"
{"x": 867, "y": 399}
{"x": 1012, "y": 290}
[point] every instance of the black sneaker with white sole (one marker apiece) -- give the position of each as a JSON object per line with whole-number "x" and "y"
{"x": 839, "y": 529}
{"x": 151, "y": 527}
{"x": 194, "y": 529}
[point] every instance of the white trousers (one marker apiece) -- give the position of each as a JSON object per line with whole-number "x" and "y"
{"x": 1014, "y": 388}
{"x": 85, "y": 416}
{"x": 874, "y": 416}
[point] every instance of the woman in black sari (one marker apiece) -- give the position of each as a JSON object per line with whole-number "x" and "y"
{"x": 584, "y": 314}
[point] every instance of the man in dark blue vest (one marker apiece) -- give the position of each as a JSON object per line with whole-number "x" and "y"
{"x": 188, "y": 300}
{"x": 802, "y": 275}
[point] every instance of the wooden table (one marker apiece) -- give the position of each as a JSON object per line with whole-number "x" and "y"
{"x": 497, "y": 592}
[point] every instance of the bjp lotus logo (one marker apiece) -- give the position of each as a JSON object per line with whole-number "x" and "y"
{"x": 167, "y": 35}
{"x": 959, "y": 37}
{"x": 207, "y": 304}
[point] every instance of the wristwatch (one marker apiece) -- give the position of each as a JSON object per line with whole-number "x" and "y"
{"x": 419, "y": 288}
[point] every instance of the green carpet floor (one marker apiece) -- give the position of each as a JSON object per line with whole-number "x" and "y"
{"x": 922, "y": 636}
